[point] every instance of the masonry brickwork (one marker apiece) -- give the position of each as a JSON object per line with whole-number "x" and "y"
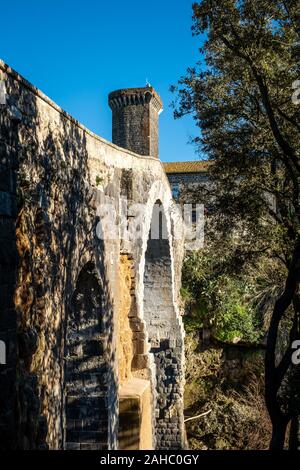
{"x": 61, "y": 309}
{"x": 135, "y": 119}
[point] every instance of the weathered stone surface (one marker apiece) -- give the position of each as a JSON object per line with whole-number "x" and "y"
{"x": 67, "y": 292}
{"x": 125, "y": 344}
{"x": 135, "y": 119}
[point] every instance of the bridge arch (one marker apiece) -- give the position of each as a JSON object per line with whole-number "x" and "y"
{"x": 164, "y": 331}
{"x": 86, "y": 420}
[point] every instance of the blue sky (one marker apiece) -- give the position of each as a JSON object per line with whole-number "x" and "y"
{"x": 76, "y": 52}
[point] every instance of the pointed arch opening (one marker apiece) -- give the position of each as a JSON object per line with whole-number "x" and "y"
{"x": 164, "y": 334}
{"x": 86, "y": 368}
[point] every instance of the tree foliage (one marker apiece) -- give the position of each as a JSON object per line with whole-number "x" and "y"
{"x": 218, "y": 301}
{"x": 240, "y": 94}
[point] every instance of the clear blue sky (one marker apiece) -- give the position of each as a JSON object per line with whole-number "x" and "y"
{"x": 76, "y": 52}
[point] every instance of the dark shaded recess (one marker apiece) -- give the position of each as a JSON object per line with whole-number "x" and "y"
{"x": 86, "y": 369}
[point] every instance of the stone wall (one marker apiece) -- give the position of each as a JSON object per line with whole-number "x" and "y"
{"x": 60, "y": 283}
{"x": 8, "y": 274}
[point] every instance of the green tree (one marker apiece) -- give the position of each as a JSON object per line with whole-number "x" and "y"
{"x": 240, "y": 94}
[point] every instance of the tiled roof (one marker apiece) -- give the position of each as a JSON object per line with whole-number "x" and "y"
{"x": 198, "y": 166}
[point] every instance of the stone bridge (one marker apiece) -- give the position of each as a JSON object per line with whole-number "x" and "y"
{"x": 90, "y": 263}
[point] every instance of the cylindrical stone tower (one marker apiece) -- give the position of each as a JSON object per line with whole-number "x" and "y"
{"x": 135, "y": 114}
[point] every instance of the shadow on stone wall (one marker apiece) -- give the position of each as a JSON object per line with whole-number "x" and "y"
{"x": 87, "y": 370}
{"x": 47, "y": 233}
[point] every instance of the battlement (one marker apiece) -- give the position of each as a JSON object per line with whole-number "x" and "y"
{"x": 135, "y": 96}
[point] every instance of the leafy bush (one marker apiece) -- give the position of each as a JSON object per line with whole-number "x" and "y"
{"x": 218, "y": 300}
{"x": 235, "y": 317}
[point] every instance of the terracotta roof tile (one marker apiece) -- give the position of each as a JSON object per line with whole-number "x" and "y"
{"x": 198, "y": 166}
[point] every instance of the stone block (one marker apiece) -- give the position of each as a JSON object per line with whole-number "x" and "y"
{"x": 140, "y": 361}
{"x": 91, "y": 446}
{"x": 72, "y": 446}
{"x": 73, "y": 435}
{"x": 140, "y": 347}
